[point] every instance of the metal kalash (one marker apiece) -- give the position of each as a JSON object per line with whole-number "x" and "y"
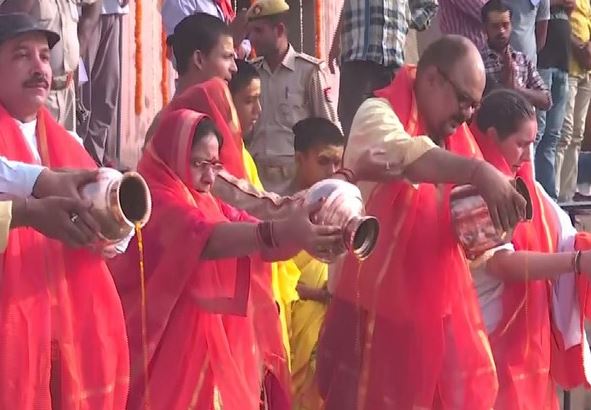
{"x": 343, "y": 207}
{"x": 472, "y": 222}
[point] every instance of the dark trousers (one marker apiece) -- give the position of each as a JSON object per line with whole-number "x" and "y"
{"x": 100, "y": 95}
{"x": 359, "y": 79}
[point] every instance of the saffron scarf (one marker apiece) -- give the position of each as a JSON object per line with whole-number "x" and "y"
{"x": 409, "y": 314}
{"x": 210, "y": 329}
{"x": 56, "y": 298}
{"x": 526, "y": 342}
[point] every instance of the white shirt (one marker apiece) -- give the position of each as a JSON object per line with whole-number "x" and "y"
{"x": 113, "y": 7}
{"x": 173, "y": 11}
{"x": 18, "y": 178}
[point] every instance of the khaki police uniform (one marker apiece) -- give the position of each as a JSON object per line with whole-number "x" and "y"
{"x": 62, "y": 17}
{"x": 296, "y": 90}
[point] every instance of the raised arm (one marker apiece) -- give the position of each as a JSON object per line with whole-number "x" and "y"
{"x": 379, "y": 149}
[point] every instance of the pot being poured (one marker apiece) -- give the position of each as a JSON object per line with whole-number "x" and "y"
{"x": 343, "y": 207}
{"x": 120, "y": 202}
{"x": 472, "y": 222}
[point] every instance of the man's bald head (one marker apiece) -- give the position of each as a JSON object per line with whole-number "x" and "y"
{"x": 448, "y": 51}
{"x": 449, "y": 85}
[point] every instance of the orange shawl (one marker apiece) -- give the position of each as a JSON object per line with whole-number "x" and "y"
{"x": 409, "y": 310}
{"x": 213, "y": 99}
{"x": 210, "y": 327}
{"x": 49, "y": 292}
{"x": 526, "y": 340}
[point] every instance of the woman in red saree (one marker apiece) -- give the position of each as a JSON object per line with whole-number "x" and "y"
{"x": 532, "y": 292}
{"x": 238, "y": 183}
{"x": 62, "y": 333}
{"x": 213, "y": 334}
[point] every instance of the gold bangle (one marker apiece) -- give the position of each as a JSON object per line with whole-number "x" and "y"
{"x": 577, "y": 262}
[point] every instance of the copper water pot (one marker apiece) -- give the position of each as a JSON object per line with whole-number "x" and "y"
{"x": 120, "y": 201}
{"x": 343, "y": 207}
{"x": 472, "y": 222}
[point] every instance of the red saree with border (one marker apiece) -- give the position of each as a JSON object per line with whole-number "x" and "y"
{"x": 56, "y": 298}
{"x": 210, "y": 333}
{"x": 404, "y": 329}
{"x": 527, "y": 344}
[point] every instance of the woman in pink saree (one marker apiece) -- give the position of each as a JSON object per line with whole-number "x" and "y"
{"x": 213, "y": 337}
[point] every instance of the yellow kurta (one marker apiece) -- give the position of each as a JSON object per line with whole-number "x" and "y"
{"x": 285, "y": 275}
{"x": 307, "y": 317}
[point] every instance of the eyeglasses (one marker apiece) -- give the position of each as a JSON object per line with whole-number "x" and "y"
{"x": 216, "y": 166}
{"x": 464, "y": 100}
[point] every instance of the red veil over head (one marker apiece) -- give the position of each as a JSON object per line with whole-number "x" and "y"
{"x": 52, "y": 294}
{"x": 525, "y": 343}
{"x": 404, "y": 329}
{"x": 213, "y": 99}
{"x": 202, "y": 333}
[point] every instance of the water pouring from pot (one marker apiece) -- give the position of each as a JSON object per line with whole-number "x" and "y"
{"x": 120, "y": 202}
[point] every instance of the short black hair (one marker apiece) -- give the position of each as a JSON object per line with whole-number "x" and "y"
{"x": 206, "y": 127}
{"x": 198, "y": 31}
{"x": 497, "y": 6}
{"x": 245, "y": 74}
{"x": 504, "y": 110}
{"x": 314, "y": 131}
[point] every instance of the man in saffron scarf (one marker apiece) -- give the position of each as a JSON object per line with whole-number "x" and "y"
{"x": 62, "y": 334}
{"x": 403, "y": 330}
{"x": 207, "y": 334}
{"x": 532, "y": 292}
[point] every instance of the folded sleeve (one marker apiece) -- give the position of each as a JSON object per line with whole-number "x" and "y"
{"x": 376, "y": 126}
{"x": 18, "y": 178}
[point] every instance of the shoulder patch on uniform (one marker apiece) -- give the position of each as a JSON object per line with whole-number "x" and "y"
{"x": 309, "y": 58}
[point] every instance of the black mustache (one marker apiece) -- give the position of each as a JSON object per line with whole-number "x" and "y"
{"x": 35, "y": 82}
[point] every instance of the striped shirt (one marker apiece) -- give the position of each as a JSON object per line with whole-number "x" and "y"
{"x": 526, "y": 74}
{"x": 375, "y": 30}
{"x": 463, "y": 17}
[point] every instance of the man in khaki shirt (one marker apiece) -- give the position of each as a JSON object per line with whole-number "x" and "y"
{"x": 294, "y": 87}
{"x": 64, "y": 18}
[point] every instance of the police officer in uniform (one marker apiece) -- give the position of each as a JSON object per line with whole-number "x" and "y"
{"x": 294, "y": 87}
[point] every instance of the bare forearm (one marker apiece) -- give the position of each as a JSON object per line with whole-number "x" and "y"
{"x": 440, "y": 166}
{"x": 526, "y": 265}
{"x": 540, "y": 99}
{"x": 237, "y": 239}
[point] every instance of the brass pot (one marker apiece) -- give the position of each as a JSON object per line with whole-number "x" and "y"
{"x": 472, "y": 222}
{"x": 343, "y": 207}
{"x": 120, "y": 201}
